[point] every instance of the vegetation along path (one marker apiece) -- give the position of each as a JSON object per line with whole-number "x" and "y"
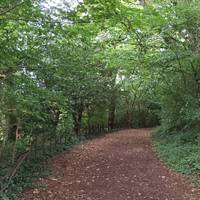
{"x": 118, "y": 166}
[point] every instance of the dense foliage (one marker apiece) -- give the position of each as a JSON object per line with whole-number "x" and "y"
{"x": 65, "y": 68}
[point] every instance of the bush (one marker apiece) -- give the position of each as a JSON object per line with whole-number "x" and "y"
{"x": 180, "y": 150}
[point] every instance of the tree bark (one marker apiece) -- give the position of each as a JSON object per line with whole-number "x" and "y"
{"x": 111, "y": 117}
{"x": 77, "y": 116}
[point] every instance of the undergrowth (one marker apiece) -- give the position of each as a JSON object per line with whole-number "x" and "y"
{"x": 34, "y": 168}
{"x": 37, "y": 167}
{"x": 180, "y": 150}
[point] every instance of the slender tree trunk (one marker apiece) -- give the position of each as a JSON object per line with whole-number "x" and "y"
{"x": 111, "y": 117}
{"x": 88, "y": 119}
{"x": 77, "y": 116}
{"x": 14, "y": 144}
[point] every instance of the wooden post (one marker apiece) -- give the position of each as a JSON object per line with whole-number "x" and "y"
{"x": 50, "y": 144}
{"x": 35, "y": 147}
{"x": 43, "y": 145}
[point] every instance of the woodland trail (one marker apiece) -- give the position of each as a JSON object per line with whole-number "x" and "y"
{"x": 118, "y": 166}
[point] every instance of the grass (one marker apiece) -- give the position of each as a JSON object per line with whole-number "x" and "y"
{"x": 180, "y": 150}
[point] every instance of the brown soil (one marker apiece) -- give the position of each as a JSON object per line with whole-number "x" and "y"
{"x": 118, "y": 166}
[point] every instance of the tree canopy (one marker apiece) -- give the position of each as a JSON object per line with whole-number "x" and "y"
{"x": 75, "y": 64}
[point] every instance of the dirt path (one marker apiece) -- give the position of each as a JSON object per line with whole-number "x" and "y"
{"x": 119, "y": 166}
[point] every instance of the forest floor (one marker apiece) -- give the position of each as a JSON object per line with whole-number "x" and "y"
{"x": 117, "y": 166}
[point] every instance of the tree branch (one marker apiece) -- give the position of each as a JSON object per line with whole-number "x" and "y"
{"x": 12, "y": 8}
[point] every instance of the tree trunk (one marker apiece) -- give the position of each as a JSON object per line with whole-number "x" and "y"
{"x": 77, "y": 116}
{"x": 14, "y": 144}
{"x": 111, "y": 118}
